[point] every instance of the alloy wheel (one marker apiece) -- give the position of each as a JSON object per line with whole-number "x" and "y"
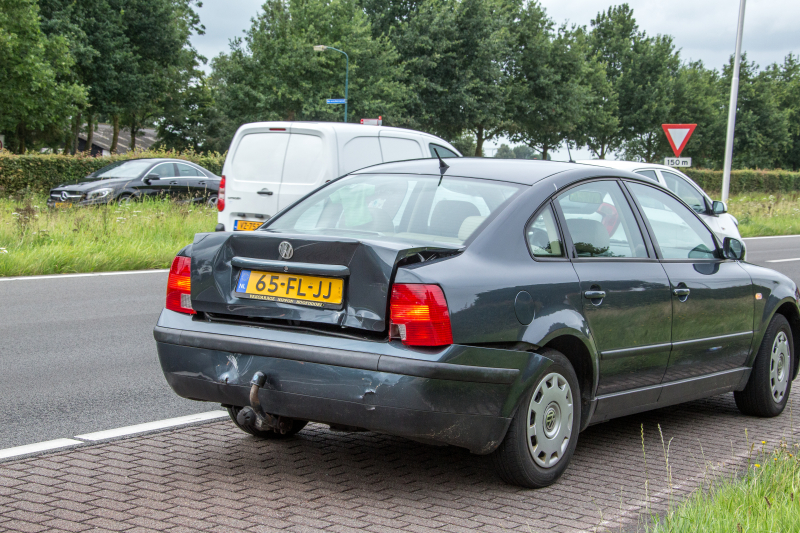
{"x": 550, "y": 420}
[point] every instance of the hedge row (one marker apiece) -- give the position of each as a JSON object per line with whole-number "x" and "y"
{"x": 40, "y": 172}
{"x": 743, "y": 181}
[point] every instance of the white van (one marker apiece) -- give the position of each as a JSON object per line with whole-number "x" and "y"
{"x": 271, "y": 165}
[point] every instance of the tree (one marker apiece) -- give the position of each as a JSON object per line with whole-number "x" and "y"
{"x": 762, "y": 127}
{"x": 191, "y": 119}
{"x": 275, "y": 74}
{"x": 786, "y": 83}
{"x": 550, "y": 93}
{"x": 504, "y": 152}
{"x": 38, "y": 98}
{"x": 456, "y": 52}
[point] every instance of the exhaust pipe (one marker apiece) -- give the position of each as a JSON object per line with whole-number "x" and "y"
{"x": 254, "y": 415}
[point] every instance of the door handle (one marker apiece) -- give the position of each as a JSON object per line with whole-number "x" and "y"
{"x": 681, "y": 292}
{"x": 594, "y": 295}
{"x": 173, "y": 182}
{"x": 265, "y": 191}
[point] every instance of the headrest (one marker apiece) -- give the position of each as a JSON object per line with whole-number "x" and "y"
{"x": 589, "y": 236}
{"x": 448, "y": 215}
{"x": 469, "y": 225}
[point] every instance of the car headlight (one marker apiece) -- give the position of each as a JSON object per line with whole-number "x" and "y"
{"x": 99, "y": 193}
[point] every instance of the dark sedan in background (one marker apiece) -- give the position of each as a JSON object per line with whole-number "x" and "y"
{"x": 500, "y": 306}
{"x": 124, "y": 181}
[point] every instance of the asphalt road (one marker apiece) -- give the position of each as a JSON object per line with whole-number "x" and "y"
{"x": 77, "y": 354}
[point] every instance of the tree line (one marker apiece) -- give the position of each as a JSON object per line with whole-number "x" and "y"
{"x": 470, "y": 71}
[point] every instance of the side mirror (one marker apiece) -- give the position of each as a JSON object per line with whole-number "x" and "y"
{"x": 719, "y": 207}
{"x": 150, "y": 177}
{"x": 732, "y": 248}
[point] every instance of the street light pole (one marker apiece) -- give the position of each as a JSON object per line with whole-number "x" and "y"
{"x": 726, "y": 173}
{"x": 322, "y": 48}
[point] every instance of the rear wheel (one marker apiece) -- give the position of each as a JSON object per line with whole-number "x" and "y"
{"x": 544, "y": 432}
{"x": 770, "y": 382}
{"x": 212, "y": 201}
{"x": 297, "y": 425}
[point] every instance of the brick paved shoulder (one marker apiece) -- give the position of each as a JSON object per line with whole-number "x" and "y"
{"x": 213, "y": 477}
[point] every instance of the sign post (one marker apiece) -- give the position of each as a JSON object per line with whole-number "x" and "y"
{"x": 2, "y": 141}
{"x": 678, "y": 135}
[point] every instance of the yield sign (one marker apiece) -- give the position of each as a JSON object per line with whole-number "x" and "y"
{"x": 678, "y": 135}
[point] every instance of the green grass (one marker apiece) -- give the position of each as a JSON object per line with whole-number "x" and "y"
{"x": 765, "y": 499}
{"x": 766, "y": 214}
{"x": 37, "y": 240}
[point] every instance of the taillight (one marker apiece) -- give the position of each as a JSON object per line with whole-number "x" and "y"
{"x": 179, "y": 286}
{"x": 221, "y": 195}
{"x": 419, "y": 315}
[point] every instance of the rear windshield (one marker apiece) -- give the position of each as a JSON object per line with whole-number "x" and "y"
{"x": 128, "y": 169}
{"x": 422, "y": 209}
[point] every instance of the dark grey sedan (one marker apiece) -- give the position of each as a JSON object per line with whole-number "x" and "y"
{"x": 124, "y": 181}
{"x": 500, "y": 306}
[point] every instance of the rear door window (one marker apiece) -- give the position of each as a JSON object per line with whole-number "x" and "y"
{"x": 303, "y": 160}
{"x": 678, "y": 232}
{"x": 443, "y": 152}
{"x": 360, "y": 152}
{"x": 649, "y": 174}
{"x": 685, "y": 191}
{"x": 259, "y": 157}
{"x": 542, "y": 235}
{"x": 396, "y": 149}
{"x": 187, "y": 171}
{"x": 601, "y": 222}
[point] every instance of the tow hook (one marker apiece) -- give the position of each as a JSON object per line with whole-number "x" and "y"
{"x": 254, "y": 415}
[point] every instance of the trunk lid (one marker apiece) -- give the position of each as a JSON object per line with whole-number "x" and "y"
{"x": 366, "y": 267}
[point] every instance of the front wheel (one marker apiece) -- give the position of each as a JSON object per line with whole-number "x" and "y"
{"x": 544, "y": 432}
{"x": 770, "y": 382}
{"x": 297, "y": 425}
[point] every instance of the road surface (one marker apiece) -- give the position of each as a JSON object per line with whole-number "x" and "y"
{"x": 77, "y": 354}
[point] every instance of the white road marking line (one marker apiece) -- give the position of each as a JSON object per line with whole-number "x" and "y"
{"x": 38, "y": 447}
{"x": 784, "y": 260}
{"x": 770, "y": 237}
{"x": 86, "y": 275}
{"x": 150, "y": 426}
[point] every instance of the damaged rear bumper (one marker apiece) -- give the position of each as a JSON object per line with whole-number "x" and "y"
{"x": 458, "y": 395}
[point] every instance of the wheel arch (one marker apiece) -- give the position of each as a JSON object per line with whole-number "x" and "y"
{"x": 790, "y": 312}
{"x": 575, "y": 349}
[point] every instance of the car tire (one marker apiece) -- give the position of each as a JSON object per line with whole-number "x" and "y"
{"x": 297, "y": 425}
{"x": 535, "y": 455}
{"x": 212, "y": 201}
{"x": 767, "y": 389}
{"x": 124, "y": 199}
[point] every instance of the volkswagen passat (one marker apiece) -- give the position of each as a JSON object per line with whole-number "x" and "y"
{"x": 500, "y": 306}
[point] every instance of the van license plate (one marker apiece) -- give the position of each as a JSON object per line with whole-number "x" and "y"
{"x": 246, "y": 225}
{"x": 290, "y": 288}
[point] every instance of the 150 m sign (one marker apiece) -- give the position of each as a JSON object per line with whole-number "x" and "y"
{"x": 678, "y": 135}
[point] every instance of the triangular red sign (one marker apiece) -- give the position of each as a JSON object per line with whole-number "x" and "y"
{"x": 678, "y": 135}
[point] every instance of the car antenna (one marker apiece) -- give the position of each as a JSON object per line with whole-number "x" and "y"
{"x": 442, "y": 166}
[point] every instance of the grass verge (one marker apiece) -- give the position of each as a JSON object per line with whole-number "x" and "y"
{"x": 765, "y": 499}
{"x": 143, "y": 235}
{"x": 766, "y": 214}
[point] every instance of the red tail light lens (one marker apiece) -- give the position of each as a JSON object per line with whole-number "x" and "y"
{"x": 179, "y": 286}
{"x": 420, "y": 316}
{"x": 221, "y": 195}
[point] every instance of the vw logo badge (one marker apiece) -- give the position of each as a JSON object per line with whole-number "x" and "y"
{"x": 64, "y": 195}
{"x": 286, "y": 250}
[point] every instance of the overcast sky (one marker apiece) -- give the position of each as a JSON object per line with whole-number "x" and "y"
{"x": 703, "y": 29}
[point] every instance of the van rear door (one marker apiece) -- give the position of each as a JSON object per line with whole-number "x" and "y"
{"x": 255, "y": 173}
{"x": 310, "y": 161}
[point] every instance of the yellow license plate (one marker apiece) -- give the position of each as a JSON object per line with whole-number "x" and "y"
{"x": 290, "y": 288}
{"x": 245, "y": 225}
{"x": 63, "y": 205}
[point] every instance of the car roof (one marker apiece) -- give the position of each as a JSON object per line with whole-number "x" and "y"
{"x": 625, "y": 165}
{"x": 522, "y": 171}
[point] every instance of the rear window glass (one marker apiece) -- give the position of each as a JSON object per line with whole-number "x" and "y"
{"x": 129, "y": 169}
{"x": 443, "y": 152}
{"x": 397, "y": 207}
{"x": 259, "y": 157}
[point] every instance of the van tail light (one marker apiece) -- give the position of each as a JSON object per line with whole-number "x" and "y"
{"x": 221, "y": 195}
{"x": 419, "y": 315}
{"x": 179, "y": 286}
